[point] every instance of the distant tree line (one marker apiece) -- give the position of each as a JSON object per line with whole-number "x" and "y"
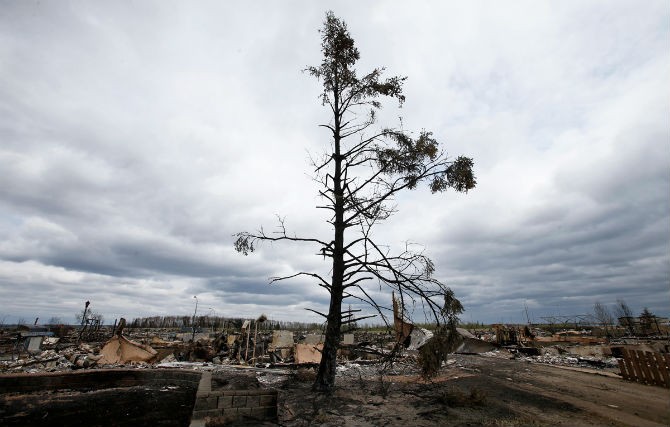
{"x": 215, "y": 322}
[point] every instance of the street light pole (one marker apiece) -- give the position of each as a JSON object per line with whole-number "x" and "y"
{"x": 211, "y": 324}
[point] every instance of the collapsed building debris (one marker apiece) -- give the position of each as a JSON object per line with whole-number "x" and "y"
{"x": 471, "y": 344}
{"x": 418, "y": 337}
{"x": 120, "y": 350}
{"x": 281, "y": 345}
{"x": 268, "y": 347}
{"x": 308, "y": 353}
{"x": 403, "y": 328}
{"x": 266, "y": 351}
{"x": 33, "y": 336}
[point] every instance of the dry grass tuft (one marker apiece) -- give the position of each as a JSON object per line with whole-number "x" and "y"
{"x": 305, "y": 375}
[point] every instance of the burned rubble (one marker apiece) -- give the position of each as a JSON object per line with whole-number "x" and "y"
{"x": 278, "y": 348}
{"x": 240, "y": 371}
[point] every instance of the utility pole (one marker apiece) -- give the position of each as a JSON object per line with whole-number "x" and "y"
{"x": 194, "y": 313}
{"x": 83, "y": 321}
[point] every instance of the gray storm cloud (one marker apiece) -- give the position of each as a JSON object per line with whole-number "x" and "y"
{"x": 136, "y": 139}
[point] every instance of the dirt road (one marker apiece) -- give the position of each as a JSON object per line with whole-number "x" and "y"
{"x": 597, "y": 399}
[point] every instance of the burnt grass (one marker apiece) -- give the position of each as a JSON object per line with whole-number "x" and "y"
{"x": 425, "y": 404}
{"x": 448, "y": 400}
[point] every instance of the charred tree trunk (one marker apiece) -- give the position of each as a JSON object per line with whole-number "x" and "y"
{"x": 325, "y": 379}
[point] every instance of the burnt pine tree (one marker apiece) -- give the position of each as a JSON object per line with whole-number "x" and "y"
{"x": 359, "y": 177}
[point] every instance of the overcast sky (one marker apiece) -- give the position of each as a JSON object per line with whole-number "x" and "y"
{"x": 136, "y": 137}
